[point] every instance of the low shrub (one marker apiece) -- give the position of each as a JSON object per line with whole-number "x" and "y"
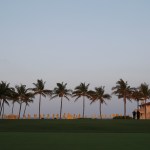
{"x": 122, "y": 117}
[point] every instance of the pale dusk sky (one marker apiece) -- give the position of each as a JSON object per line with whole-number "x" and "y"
{"x": 74, "y": 41}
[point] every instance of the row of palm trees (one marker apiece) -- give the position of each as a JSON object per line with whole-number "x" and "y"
{"x": 21, "y": 94}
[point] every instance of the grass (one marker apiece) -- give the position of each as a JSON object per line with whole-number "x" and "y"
{"x": 74, "y": 134}
{"x": 74, "y": 126}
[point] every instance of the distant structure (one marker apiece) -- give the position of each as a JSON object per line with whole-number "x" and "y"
{"x": 142, "y": 111}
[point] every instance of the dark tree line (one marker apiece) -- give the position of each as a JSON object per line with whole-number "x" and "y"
{"x": 20, "y": 94}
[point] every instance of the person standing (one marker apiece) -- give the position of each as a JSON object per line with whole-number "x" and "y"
{"x": 134, "y": 114}
{"x": 138, "y": 114}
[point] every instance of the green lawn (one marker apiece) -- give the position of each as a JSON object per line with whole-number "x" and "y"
{"x": 74, "y": 134}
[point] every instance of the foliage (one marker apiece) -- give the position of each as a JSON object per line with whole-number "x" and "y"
{"x": 145, "y": 92}
{"x": 99, "y": 95}
{"x": 61, "y": 91}
{"x": 122, "y": 117}
{"x": 122, "y": 90}
{"x": 40, "y": 90}
{"x": 5, "y": 95}
{"x": 81, "y": 91}
{"x": 137, "y": 96}
{"x": 23, "y": 96}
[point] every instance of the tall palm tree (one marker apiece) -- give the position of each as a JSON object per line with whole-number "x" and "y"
{"x": 62, "y": 92}
{"x": 122, "y": 90}
{"x": 99, "y": 95}
{"x": 145, "y": 91}
{"x": 22, "y": 95}
{"x": 5, "y": 95}
{"x": 41, "y": 91}
{"x": 81, "y": 91}
{"x": 137, "y": 96}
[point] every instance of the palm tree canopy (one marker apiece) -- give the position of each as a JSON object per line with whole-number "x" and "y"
{"x": 29, "y": 98}
{"x": 99, "y": 94}
{"x": 81, "y": 90}
{"x": 136, "y": 94}
{"x": 22, "y": 94}
{"x": 39, "y": 88}
{"x": 5, "y": 91}
{"x": 122, "y": 89}
{"x": 61, "y": 91}
{"x": 145, "y": 91}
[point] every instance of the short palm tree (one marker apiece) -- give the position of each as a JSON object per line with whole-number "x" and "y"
{"x": 28, "y": 99}
{"x": 62, "y": 92}
{"x": 41, "y": 91}
{"x": 137, "y": 96}
{"x": 145, "y": 91}
{"x": 81, "y": 91}
{"x": 22, "y": 95}
{"x": 99, "y": 95}
{"x": 5, "y": 95}
{"x": 122, "y": 90}
{"x": 13, "y": 99}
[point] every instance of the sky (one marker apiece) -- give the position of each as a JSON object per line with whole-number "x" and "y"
{"x": 74, "y": 41}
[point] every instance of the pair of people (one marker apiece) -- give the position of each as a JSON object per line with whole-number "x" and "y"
{"x": 136, "y": 114}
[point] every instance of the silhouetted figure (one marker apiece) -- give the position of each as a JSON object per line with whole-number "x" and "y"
{"x": 134, "y": 114}
{"x": 138, "y": 114}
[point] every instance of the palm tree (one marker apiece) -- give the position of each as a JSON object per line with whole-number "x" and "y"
{"x": 22, "y": 95}
{"x": 28, "y": 99}
{"x": 145, "y": 91}
{"x": 122, "y": 90}
{"x": 13, "y": 99}
{"x": 39, "y": 90}
{"x": 13, "y": 104}
{"x": 62, "y": 92}
{"x": 81, "y": 91}
{"x": 137, "y": 96}
{"x": 99, "y": 95}
{"x": 5, "y": 95}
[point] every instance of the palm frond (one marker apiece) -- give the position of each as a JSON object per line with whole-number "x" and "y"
{"x": 53, "y": 97}
{"x": 67, "y": 98}
{"x": 77, "y": 98}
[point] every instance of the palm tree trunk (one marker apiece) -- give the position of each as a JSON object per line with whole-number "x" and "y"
{"x": 137, "y": 104}
{"x": 61, "y": 107}
{"x": 100, "y": 113}
{"x": 25, "y": 110}
{"x": 13, "y": 108}
{"x": 39, "y": 106}
{"x": 3, "y": 109}
{"x": 145, "y": 110}
{"x": 0, "y": 107}
{"x": 83, "y": 106}
{"x": 125, "y": 107}
{"x": 20, "y": 110}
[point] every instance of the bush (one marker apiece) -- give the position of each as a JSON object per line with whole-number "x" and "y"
{"x": 122, "y": 117}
